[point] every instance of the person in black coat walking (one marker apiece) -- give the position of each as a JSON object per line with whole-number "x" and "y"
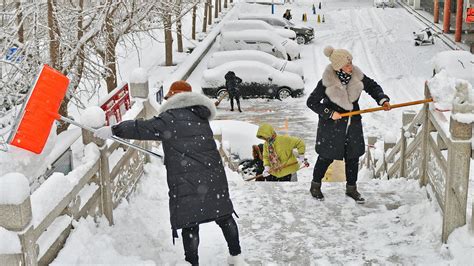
{"x": 232, "y": 82}
{"x": 341, "y": 138}
{"x": 287, "y": 15}
{"x": 198, "y": 189}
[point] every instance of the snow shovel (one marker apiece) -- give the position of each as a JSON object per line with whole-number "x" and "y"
{"x": 40, "y": 109}
{"x": 306, "y": 164}
{"x": 393, "y": 106}
{"x": 219, "y": 100}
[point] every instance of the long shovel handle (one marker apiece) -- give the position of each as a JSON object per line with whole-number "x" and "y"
{"x": 119, "y": 140}
{"x": 392, "y": 106}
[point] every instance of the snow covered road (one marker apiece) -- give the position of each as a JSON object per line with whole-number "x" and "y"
{"x": 281, "y": 224}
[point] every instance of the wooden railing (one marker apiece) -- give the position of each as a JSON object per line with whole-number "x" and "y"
{"x": 98, "y": 188}
{"x": 437, "y": 152}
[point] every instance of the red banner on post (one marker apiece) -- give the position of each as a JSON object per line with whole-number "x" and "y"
{"x": 470, "y": 15}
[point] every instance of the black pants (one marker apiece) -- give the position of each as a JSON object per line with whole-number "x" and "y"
{"x": 237, "y": 100}
{"x": 352, "y": 169}
{"x": 286, "y": 178}
{"x": 191, "y": 239}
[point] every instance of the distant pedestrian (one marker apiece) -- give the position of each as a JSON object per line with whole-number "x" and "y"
{"x": 196, "y": 178}
{"x": 287, "y": 15}
{"x": 278, "y": 158}
{"x": 232, "y": 84}
{"x": 341, "y": 137}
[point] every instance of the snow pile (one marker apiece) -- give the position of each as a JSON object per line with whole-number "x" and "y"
{"x": 139, "y": 75}
{"x": 25, "y": 162}
{"x": 9, "y": 242}
{"x": 237, "y": 136}
{"x": 14, "y": 189}
{"x": 57, "y": 186}
{"x": 86, "y": 242}
{"x": 461, "y": 245}
{"x": 458, "y": 64}
{"x": 93, "y": 117}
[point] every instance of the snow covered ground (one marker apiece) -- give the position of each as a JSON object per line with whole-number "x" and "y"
{"x": 280, "y": 224}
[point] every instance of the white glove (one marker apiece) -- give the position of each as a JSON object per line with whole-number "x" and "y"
{"x": 300, "y": 158}
{"x": 103, "y": 132}
{"x": 266, "y": 172}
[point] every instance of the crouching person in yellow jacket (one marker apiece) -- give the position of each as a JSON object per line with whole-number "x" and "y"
{"x": 278, "y": 158}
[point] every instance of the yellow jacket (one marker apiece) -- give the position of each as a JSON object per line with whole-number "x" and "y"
{"x": 283, "y": 146}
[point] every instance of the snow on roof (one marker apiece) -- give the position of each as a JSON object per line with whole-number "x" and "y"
{"x": 138, "y": 75}
{"x": 14, "y": 189}
{"x": 93, "y": 117}
{"x": 459, "y": 64}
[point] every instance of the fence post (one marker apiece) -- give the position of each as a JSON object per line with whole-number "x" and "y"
{"x": 140, "y": 90}
{"x": 424, "y": 142}
{"x": 17, "y": 218}
{"x": 407, "y": 118}
{"x": 459, "y": 159}
{"x": 106, "y": 202}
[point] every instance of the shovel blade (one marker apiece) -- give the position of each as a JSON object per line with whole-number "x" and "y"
{"x": 39, "y": 111}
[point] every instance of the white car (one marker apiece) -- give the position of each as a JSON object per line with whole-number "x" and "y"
{"x": 384, "y": 3}
{"x": 262, "y": 40}
{"x": 238, "y": 25}
{"x": 219, "y": 58}
{"x": 258, "y": 80}
{"x": 458, "y": 64}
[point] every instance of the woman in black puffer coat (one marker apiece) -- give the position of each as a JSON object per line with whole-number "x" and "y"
{"x": 198, "y": 189}
{"x": 341, "y": 138}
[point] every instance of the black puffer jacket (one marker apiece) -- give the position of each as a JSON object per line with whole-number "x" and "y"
{"x": 232, "y": 82}
{"x": 198, "y": 188}
{"x": 344, "y": 138}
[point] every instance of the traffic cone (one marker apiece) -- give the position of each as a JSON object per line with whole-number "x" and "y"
{"x": 319, "y": 18}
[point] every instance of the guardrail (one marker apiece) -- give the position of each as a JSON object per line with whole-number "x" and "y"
{"x": 93, "y": 188}
{"x": 435, "y": 151}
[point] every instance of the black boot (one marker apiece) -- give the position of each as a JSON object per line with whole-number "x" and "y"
{"x": 316, "y": 191}
{"x": 352, "y": 192}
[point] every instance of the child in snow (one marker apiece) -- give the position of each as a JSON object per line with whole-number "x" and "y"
{"x": 341, "y": 138}
{"x": 232, "y": 82}
{"x": 278, "y": 158}
{"x": 196, "y": 178}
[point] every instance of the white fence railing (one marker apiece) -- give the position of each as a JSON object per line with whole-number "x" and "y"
{"x": 435, "y": 153}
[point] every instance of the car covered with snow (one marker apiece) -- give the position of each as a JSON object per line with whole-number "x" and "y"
{"x": 304, "y": 34}
{"x": 238, "y": 25}
{"x": 261, "y": 40}
{"x": 219, "y": 58}
{"x": 258, "y": 81}
{"x": 384, "y": 3}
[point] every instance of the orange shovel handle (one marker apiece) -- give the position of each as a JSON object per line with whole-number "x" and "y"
{"x": 392, "y": 106}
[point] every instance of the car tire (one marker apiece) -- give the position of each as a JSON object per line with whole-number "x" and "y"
{"x": 220, "y": 92}
{"x": 300, "y": 39}
{"x": 284, "y": 93}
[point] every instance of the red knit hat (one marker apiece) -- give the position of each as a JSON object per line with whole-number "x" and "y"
{"x": 177, "y": 87}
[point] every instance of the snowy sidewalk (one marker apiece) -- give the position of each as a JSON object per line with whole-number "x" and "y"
{"x": 280, "y": 223}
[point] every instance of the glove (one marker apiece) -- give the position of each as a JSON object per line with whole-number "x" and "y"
{"x": 266, "y": 172}
{"x": 103, "y": 132}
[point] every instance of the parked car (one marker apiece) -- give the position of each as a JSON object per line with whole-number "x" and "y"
{"x": 238, "y": 25}
{"x": 258, "y": 80}
{"x": 304, "y": 34}
{"x": 219, "y": 58}
{"x": 458, "y": 64}
{"x": 384, "y": 3}
{"x": 262, "y": 40}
